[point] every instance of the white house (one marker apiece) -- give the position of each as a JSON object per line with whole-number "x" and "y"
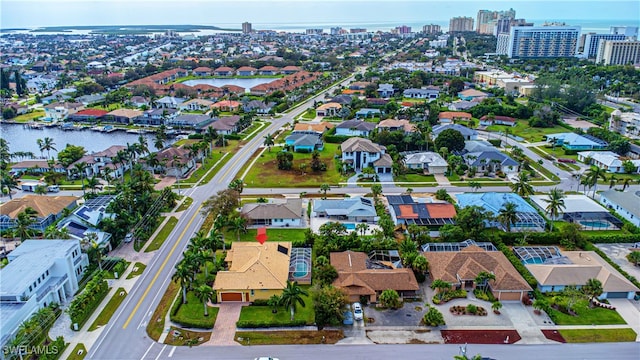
{"x": 429, "y": 162}
{"x": 625, "y": 124}
{"x": 355, "y": 128}
{"x": 468, "y": 134}
{"x": 429, "y": 93}
{"x": 361, "y": 153}
{"x": 274, "y": 214}
{"x": 357, "y": 209}
{"x": 607, "y": 160}
{"x": 626, "y": 204}
{"x": 59, "y": 111}
{"x": 39, "y": 273}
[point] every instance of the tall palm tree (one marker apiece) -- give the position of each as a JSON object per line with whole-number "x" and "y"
{"x": 522, "y": 186}
{"x": 79, "y": 168}
{"x": 625, "y": 183}
{"x": 40, "y": 144}
{"x": 143, "y": 144}
{"x": 9, "y": 182}
{"x": 483, "y": 278}
{"x": 292, "y": 296}
{"x": 593, "y": 175}
{"x": 593, "y": 288}
{"x": 324, "y": 188}
{"x": 183, "y": 276}
{"x": 48, "y": 144}
{"x": 555, "y": 204}
{"x": 204, "y": 292}
{"x": 23, "y": 223}
{"x": 268, "y": 141}
{"x": 440, "y": 286}
{"x": 238, "y": 224}
{"x": 508, "y": 215}
{"x": 613, "y": 180}
{"x": 93, "y": 183}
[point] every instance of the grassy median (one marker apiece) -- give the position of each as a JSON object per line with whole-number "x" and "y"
{"x": 109, "y": 309}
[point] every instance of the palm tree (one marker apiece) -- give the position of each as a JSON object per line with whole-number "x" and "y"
{"x": 9, "y": 182}
{"x": 183, "y": 276}
{"x": 239, "y": 225}
{"x": 204, "y": 292}
{"x": 613, "y": 180}
{"x": 483, "y": 279}
{"x": 323, "y": 189}
{"x": 291, "y": 296}
{"x": 376, "y": 190}
{"x": 593, "y": 175}
{"x": 420, "y": 264}
{"x": 593, "y": 288}
{"x": 93, "y": 183}
{"x": 555, "y": 204}
{"x": 522, "y": 186}
{"x": 52, "y": 232}
{"x": 48, "y": 144}
{"x": 625, "y": 183}
{"x": 143, "y": 146}
{"x": 24, "y": 221}
{"x": 92, "y": 239}
{"x": 268, "y": 141}
{"x": 475, "y": 185}
{"x": 634, "y": 257}
{"x": 441, "y": 287}
{"x": 40, "y": 144}
{"x": 508, "y": 215}
{"x": 362, "y": 228}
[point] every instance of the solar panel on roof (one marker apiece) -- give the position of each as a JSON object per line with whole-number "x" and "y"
{"x": 283, "y": 249}
{"x": 82, "y": 213}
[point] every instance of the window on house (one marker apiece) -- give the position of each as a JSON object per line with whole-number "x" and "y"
{"x": 30, "y": 288}
{"x": 47, "y": 273}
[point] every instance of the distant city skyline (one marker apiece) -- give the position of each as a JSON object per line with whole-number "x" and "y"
{"x": 297, "y": 14}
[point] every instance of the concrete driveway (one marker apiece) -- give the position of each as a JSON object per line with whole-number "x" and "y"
{"x": 630, "y": 312}
{"x": 618, "y": 253}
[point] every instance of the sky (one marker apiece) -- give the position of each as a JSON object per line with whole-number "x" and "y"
{"x": 37, "y": 13}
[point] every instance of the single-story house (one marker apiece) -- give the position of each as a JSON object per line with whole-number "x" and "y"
{"x": 225, "y": 125}
{"x": 386, "y": 90}
{"x": 573, "y": 204}
{"x": 224, "y": 71}
{"x": 48, "y": 209}
{"x": 193, "y": 121}
{"x": 88, "y": 115}
{"x": 462, "y": 105}
{"x": 139, "y": 101}
{"x": 226, "y": 105}
{"x": 625, "y": 204}
{"x": 397, "y": 125}
{"x": 461, "y": 268}
{"x": 157, "y": 116}
{"x": 491, "y": 160}
{"x": 38, "y": 166}
{"x": 580, "y": 267}
{"x": 359, "y": 276}
{"x": 405, "y": 210}
{"x": 366, "y": 112}
{"x": 169, "y": 102}
{"x": 427, "y": 161}
{"x": 268, "y": 70}
{"x": 468, "y": 134}
{"x": 328, "y": 109}
{"x": 355, "y": 127}
{"x": 449, "y": 117}
{"x": 497, "y": 120}
{"x": 91, "y": 99}
{"x": 123, "y": 116}
{"x": 607, "y": 160}
{"x": 202, "y": 71}
{"x": 429, "y": 93}
{"x": 360, "y": 153}
{"x": 573, "y": 141}
{"x": 260, "y": 107}
{"x": 196, "y": 105}
{"x": 290, "y": 69}
{"x": 312, "y": 128}
{"x": 471, "y": 94}
{"x": 303, "y": 142}
{"x": 255, "y": 271}
{"x": 356, "y": 209}
{"x": 342, "y": 99}
{"x": 274, "y": 214}
{"x": 528, "y": 217}
{"x": 246, "y": 71}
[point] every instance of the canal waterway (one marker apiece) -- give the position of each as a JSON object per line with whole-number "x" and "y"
{"x": 25, "y": 139}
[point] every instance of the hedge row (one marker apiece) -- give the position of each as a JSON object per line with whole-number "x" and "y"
{"x": 517, "y": 264}
{"x": 335, "y": 139}
{"x": 553, "y": 238}
{"x": 249, "y": 324}
{"x": 591, "y": 247}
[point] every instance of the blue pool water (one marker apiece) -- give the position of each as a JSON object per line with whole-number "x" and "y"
{"x": 301, "y": 270}
{"x": 533, "y": 261}
{"x": 350, "y": 226}
{"x": 595, "y": 224}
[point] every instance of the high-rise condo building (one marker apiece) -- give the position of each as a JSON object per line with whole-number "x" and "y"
{"x": 460, "y": 23}
{"x": 246, "y": 28}
{"x": 591, "y": 41}
{"x": 431, "y": 29}
{"x": 619, "y": 52}
{"x": 628, "y": 31}
{"x": 539, "y": 42}
{"x": 487, "y": 20}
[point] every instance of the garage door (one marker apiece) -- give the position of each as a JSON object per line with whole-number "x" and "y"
{"x": 617, "y": 295}
{"x": 231, "y": 297}
{"x": 506, "y": 296}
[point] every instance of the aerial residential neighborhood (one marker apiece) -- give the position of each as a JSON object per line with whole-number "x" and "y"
{"x": 189, "y": 190}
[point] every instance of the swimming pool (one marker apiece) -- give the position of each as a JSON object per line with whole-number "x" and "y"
{"x": 533, "y": 261}
{"x": 350, "y": 226}
{"x": 595, "y": 223}
{"x": 301, "y": 270}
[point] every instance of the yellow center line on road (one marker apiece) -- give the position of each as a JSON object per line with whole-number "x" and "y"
{"x": 164, "y": 263}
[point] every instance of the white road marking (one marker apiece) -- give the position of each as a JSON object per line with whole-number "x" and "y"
{"x": 146, "y": 352}
{"x": 173, "y": 348}
{"x": 160, "y": 353}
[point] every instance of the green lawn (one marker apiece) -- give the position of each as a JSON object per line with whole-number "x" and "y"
{"x": 263, "y": 314}
{"x": 249, "y": 131}
{"x": 310, "y": 114}
{"x": 185, "y": 204}
{"x": 29, "y": 116}
{"x": 543, "y": 170}
{"x": 109, "y": 309}
{"x": 558, "y": 152}
{"x": 265, "y": 172}
{"x": 162, "y": 235}
{"x": 191, "y": 314}
{"x": 414, "y": 178}
{"x": 523, "y": 130}
{"x": 598, "y": 335}
{"x": 248, "y": 338}
{"x": 138, "y": 269}
{"x": 587, "y": 316}
{"x": 292, "y": 235}
{"x": 202, "y": 170}
{"x": 74, "y": 353}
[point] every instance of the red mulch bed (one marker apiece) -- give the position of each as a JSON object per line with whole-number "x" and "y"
{"x": 479, "y": 336}
{"x": 553, "y": 335}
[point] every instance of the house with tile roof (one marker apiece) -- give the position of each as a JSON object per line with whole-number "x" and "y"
{"x": 461, "y": 268}
{"x": 360, "y": 153}
{"x": 196, "y": 105}
{"x": 427, "y": 161}
{"x": 268, "y": 70}
{"x": 312, "y": 128}
{"x": 355, "y": 127}
{"x": 255, "y": 271}
{"x": 87, "y": 115}
{"x": 577, "y": 270}
{"x": 358, "y": 276}
{"x": 48, "y": 210}
{"x": 174, "y": 161}
{"x": 123, "y": 116}
{"x": 356, "y": 209}
{"x": 274, "y": 214}
{"x": 328, "y": 109}
{"x": 224, "y": 71}
{"x": 487, "y": 120}
{"x": 449, "y": 117}
{"x": 38, "y": 166}
{"x": 224, "y": 125}
{"x": 472, "y": 94}
{"x": 202, "y": 71}
{"x": 468, "y": 134}
{"x": 246, "y": 71}
{"x": 396, "y": 125}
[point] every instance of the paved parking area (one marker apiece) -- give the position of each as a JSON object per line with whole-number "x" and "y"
{"x": 618, "y": 253}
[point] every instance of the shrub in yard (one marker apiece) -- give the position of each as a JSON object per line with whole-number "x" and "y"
{"x": 390, "y": 299}
{"x": 433, "y": 317}
{"x": 472, "y": 309}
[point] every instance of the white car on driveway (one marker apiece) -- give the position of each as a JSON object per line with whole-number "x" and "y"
{"x": 357, "y": 311}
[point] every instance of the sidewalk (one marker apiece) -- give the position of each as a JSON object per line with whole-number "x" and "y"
{"x": 62, "y": 326}
{"x": 442, "y": 180}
